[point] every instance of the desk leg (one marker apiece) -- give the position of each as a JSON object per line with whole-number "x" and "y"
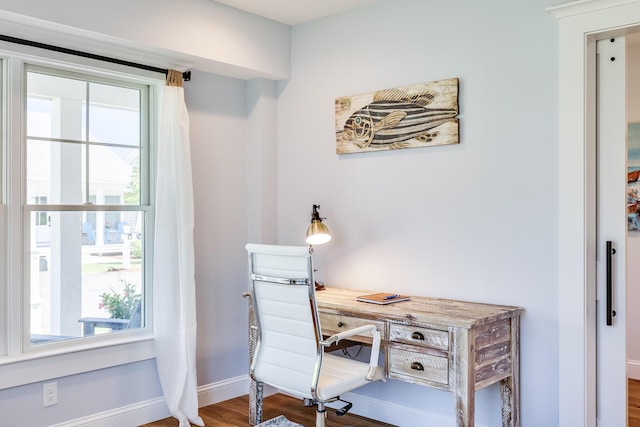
{"x": 464, "y": 377}
{"x": 510, "y": 386}
{"x": 255, "y": 402}
{"x": 255, "y": 388}
{"x": 506, "y": 394}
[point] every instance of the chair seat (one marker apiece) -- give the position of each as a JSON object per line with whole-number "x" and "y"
{"x": 340, "y": 375}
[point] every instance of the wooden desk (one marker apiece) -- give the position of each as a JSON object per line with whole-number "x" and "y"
{"x": 450, "y": 345}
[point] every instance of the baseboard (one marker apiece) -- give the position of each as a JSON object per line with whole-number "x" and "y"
{"x": 130, "y": 415}
{"x": 633, "y": 369}
{"x": 156, "y": 409}
{"x": 223, "y": 390}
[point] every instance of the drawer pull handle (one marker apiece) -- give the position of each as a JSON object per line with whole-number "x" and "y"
{"x": 340, "y": 324}
{"x": 417, "y": 336}
{"x": 417, "y": 366}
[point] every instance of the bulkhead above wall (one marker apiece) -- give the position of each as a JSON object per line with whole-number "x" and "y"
{"x": 189, "y": 34}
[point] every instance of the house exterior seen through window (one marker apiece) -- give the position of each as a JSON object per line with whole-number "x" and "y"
{"x": 87, "y": 195}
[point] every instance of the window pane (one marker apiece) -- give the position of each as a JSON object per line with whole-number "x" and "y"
{"x": 86, "y": 279}
{"x": 114, "y": 114}
{"x": 55, "y": 172}
{"x": 83, "y": 150}
{"x": 39, "y": 117}
{"x": 55, "y": 107}
{"x": 114, "y": 177}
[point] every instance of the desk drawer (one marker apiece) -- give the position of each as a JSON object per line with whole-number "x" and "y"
{"x": 423, "y": 337}
{"x": 334, "y": 323}
{"x": 408, "y": 365}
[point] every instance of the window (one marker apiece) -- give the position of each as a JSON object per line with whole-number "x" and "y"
{"x": 41, "y": 217}
{"x": 86, "y": 143}
{"x": 86, "y": 209}
{"x": 75, "y": 217}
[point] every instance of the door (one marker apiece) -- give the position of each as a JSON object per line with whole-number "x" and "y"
{"x": 611, "y": 227}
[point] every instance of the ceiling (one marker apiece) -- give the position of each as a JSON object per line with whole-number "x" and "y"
{"x": 293, "y": 12}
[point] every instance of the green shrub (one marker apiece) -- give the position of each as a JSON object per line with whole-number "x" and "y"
{"x": 120, "y": 306}
{"x": 136, "y": 249}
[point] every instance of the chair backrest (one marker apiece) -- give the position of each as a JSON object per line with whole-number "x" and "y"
{"x": 288, "y": 355}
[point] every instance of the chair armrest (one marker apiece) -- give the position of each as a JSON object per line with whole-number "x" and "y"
{"x": 375, "y": 346}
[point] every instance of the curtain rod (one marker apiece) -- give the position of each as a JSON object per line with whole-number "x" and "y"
{"x": 186, "y": 76}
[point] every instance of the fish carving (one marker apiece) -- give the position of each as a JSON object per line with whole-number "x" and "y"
{"x": 395, "y": 117}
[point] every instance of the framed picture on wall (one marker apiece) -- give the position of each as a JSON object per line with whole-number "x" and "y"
{"x": 423, "y": 115}
{"x": 633, "y": 173}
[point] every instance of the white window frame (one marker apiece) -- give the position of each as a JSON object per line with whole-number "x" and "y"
{"x": 20, "y": 365}
{"x": 3, "y": 210}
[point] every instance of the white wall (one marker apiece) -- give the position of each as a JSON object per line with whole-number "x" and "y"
{"x": 80, "y": 395}
{"x": 474, "y": 221}
{"x": 219, "y": 114}
{"x": 553, "y": 3}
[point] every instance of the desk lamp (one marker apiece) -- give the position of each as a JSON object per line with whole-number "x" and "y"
{"x": 317, "y": 234}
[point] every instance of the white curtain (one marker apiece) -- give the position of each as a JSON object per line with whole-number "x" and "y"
{"x": 174, "y": 302}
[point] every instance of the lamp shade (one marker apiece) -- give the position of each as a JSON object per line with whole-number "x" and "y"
{"x": 317, "y": 233}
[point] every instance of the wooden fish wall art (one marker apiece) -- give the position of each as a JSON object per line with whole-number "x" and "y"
{"x": 422, "y": 115}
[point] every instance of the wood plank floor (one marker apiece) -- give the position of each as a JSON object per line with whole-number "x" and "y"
{"x": 634, "y": 403}
{"x": 235, "y": 413}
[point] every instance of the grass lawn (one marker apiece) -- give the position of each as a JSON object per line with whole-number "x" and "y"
{"x": 103, "y": 267}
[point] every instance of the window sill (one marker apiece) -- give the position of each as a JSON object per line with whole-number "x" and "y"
{"x": 45, "y": 364}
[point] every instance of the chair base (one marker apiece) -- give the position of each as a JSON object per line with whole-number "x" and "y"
{"x": 321, "y": 410}
{"x": 340, "y": 412}
{"x": 321, "y": 415}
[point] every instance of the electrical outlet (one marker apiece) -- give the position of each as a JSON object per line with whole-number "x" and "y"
{"x": 49, "y": 394}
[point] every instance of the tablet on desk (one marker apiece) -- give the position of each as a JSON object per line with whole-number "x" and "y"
{"x": 382, "y": 298}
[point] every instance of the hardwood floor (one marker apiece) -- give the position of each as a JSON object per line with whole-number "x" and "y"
{"x": 634, "y": 403}
{"x": 235, "y": 413}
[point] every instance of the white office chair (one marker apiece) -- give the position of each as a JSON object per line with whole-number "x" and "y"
{"x": 289, "y": 353}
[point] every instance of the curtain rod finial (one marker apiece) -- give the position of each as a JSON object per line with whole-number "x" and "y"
{"x": 186, "y": 76}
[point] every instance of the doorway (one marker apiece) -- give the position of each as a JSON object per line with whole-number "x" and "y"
{"x": 618, "y": 167}
{"x": 633, "y": 163}
{"x": 633, "y": 224}
{"x": 580, "y": 25}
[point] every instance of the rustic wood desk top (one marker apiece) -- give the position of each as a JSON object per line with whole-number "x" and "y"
{"x": 418, "y": 310}
{"x": 456, "y": 346}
